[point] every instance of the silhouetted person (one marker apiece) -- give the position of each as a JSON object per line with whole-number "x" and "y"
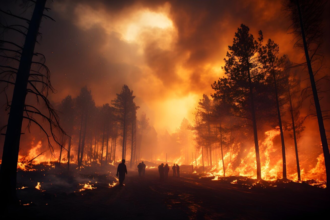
{"x": 178, "y": 170}
{"x": 121, "y": 170}
{"x": 161, "y": 171}
{"x": 140, "y": 168}
{"x": 166, "y": 170}
{"x": 143, "y": 169}
{"x": 174, "y": 170}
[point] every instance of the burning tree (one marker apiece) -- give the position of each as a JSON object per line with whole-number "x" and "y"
{"x": 272, "y": 65}
{"x": 107, "y": 113}
{"x": 307, "y": 24}
{"x": 85, "y": 106}
{"x": 29, "y": 77}
{"x": 242, "y": 80}
{"x": 205, "y": 126}
{"x": 143, "y": 124}
{"x": 125, "y": 111}
{"x": 67, "y": 112}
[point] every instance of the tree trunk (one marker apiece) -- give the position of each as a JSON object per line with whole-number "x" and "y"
{"x": 97, "y": 152}
{"x": 60, "y": 158}
{"x": 203, "y": 158}
{"x": 83, "y": 142}
{"x": 316, "y": 101}
{"x": 114, "y": 152}
{"x": 294, "y": 136}
{"x": 124, "y": 139}
{"x": 102, "y": 145}
{"x": 111, "y": 149}
{"x": 280, "y": 124}
{"x": 255, "y": 131}
{"x": 132, "y": 144}
{"x": 69, "y": 155}
{"x": 79, "y": 143}
{"x": 13, "y": 133}
{"x": 223, "y": 162}
{"x": 106, "y": 153}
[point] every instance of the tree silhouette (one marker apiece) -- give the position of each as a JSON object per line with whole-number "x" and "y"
{"x": 307, "y": 21}
{"x": 243, "y": 79}
{"x": 133, "y": 131}
{"x": 271, "y": 64}
{"x": 123, "y": 107}
{"x": 85, "y": 106}
{"x": 30, "y": 78}
{"x": 143, "y": 124}
{"x": 66, "y": 113}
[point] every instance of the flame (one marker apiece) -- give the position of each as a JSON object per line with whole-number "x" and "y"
{"x": 87, "y": 186}
{"x": 233, "y": 182}
{"x": 23, "y": 187}
{"x": 38, "y": 186}
{"x": 271, "y": 169}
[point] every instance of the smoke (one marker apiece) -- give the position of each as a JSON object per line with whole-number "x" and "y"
{"x": 167, "y": 52}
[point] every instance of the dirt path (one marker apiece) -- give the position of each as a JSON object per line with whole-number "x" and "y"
{"x": 185, "y": 198}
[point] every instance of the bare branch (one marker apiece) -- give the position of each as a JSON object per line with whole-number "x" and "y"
{"x": 48, "y": 17}
{"x": 9, "y": 42}
{"x": 11, "y": 14}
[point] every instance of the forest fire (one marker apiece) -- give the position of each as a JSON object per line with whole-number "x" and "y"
{"x": 174, "y": 109}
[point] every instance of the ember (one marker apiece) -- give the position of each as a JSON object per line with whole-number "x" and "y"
{"x": 87, "y": 186}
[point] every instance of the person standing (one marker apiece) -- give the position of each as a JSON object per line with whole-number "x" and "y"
{"x": 174, "y": 170}
{"x": 121, "y": 172}
{"x": 140, "y": 169}
{"x": 166, "y": 170}
{"x": 161, "y": 171}
{"x": 143, "y": 169}
{"x": 178, "y": 170}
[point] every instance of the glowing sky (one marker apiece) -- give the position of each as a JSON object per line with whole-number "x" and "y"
{"x": 167, "y": 52}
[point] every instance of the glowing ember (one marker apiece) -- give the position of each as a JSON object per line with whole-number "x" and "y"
{"x": 233, "y": 182}
{"x": 87, "y": 186}
{"x": 38, "y": 186}
{"x": 24, "y": 187}
{"x": 215, "y": 178}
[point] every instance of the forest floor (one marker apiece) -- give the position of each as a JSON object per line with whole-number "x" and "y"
{"x": 187, "y": 197}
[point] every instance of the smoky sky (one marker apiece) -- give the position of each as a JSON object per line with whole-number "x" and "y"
{"x": 169, "y": 64}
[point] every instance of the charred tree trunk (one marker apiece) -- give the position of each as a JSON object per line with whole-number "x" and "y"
{"x": 69, "y": 151}
{"x": 132, "y": 144}
{"x": 79, "y": 143}
{"x": 203, "y": 158}
{"x": 210, "y": 146}
{"x": 13, "y": 133}
{"x": 255, "y": 131}
{"x": 83, "y": 142}
{"x": 294, "y": 136}
{"x": 106, "y": 153}
{"x": 223, "y": 162}
{"x": 95, "y": 149}
{"x": 124, "y": 138}
{"x": 316, "y": 101}
{"x": 60, "y": 158}
{"x": 111, "y": 149}
{"x": 114, "y": 151}
{"x": 280, "y": 124}
{"x": 102, "y": 146}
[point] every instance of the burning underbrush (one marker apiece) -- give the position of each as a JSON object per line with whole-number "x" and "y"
{"x": 253, "y": 183}
{"x": 43, "y": 182}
